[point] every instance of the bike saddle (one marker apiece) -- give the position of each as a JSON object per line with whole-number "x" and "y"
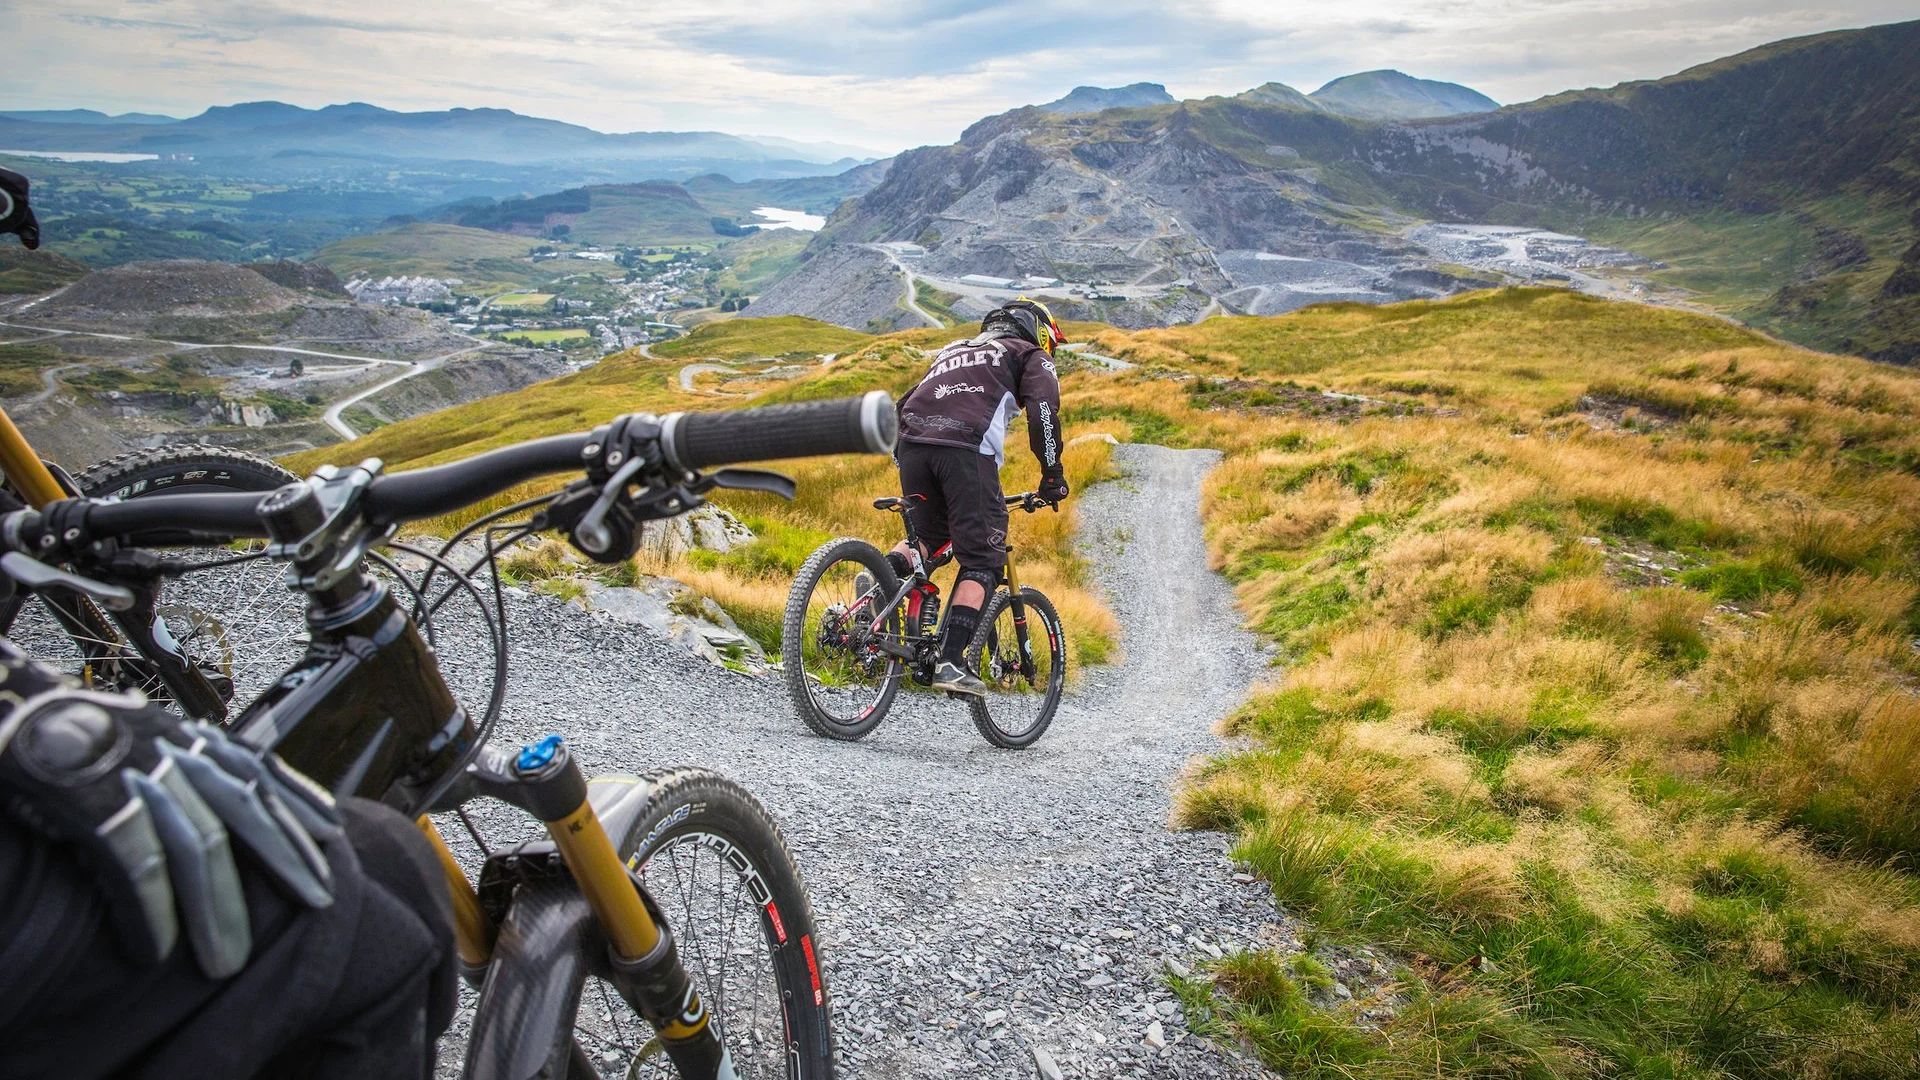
{"x": 889, "y": 503}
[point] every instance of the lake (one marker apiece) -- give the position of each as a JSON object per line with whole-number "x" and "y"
{"x": 85, "y": 155}
{"x": 777, "y": 218}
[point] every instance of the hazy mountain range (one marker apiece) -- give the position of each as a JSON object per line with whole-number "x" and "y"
{"x": 260, "y": 129}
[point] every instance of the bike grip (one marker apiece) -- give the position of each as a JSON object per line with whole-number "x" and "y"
{"x": 858, "y": 425}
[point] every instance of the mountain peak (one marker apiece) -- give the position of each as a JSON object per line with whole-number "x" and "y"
{"x": 1278, "y": 93}
{"x": 1086, "y": 99}
{"x": 1393, "y": 95}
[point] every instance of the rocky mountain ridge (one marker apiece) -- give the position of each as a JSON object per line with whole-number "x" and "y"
{"x": 1259, "y": 202}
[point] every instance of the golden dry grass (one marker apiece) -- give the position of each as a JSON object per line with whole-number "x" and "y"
{"x": 1500, "y": 735}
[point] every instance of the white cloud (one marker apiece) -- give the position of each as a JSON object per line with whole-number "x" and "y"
{"x": 885, "y": 73}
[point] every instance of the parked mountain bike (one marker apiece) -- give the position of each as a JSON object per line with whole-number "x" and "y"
{"x": 178, "y": 649}
{"x": 662, "y": 928}
{"x": 173, "y": 649}
{"x": 853, "y": 629}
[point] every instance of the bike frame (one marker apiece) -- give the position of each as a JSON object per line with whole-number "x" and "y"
{"x": 25, "y": 471}
{"x": 367, "y": 712}
{"x": 1009, "y": 580}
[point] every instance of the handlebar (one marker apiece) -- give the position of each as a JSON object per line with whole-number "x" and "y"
{"x": 682, "y": 441}
{"x": 866, "y": 424}
{"x": 1031, "y": 502}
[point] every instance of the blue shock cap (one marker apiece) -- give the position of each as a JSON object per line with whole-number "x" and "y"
{"x": 534, "y": 756}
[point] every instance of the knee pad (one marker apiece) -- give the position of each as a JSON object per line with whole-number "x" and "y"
{"x": 902, "y": 569}
{"x": 986, "y": 579}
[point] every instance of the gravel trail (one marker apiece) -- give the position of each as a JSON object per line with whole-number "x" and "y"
{"x": 975, "y": 904}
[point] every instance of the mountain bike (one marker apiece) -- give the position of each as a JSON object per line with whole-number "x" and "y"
{"x": 852, "y": 630}
{"x": 171, "y": 647}
{"x": 662, "y": 927}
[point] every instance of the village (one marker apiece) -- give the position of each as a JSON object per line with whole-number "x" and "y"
{"x": 582, "y": 316}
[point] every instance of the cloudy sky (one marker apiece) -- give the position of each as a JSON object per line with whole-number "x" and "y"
{"x": 885, "y": 74}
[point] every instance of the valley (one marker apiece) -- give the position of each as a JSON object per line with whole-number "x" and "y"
{"x": 154, "y": 353}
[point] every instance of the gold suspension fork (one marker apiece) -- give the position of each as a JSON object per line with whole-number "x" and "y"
{"x": 646, "y": 964}
{"x": 473, "y": 932}
{"x": 28, "y": 474}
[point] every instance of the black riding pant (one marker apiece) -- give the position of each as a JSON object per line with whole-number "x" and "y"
{"x": 953, "y": 496}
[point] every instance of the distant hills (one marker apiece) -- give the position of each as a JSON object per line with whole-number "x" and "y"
{"x": 86, "y": 116}
{"x": 264, "y": 129}
{"x": 1781, "y": 185}
{"x": 1390, "y": 95}
{"x": 1369, "y": 95}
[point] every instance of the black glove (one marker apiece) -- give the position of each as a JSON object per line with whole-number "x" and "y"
{"x": 16, "y": 216}
{"x": 1053, "y": 485}
{"x": 153, "y": 804}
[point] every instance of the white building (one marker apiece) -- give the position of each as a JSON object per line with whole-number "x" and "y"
{"x": 984, "y": 282}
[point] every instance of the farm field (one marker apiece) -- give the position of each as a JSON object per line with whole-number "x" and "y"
{"x": 546, "y": 337}
{"x": 523, "y": 300}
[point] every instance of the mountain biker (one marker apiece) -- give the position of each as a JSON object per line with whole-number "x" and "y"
{"x": 953, "y": 429}
{"x": 172, "y": 905}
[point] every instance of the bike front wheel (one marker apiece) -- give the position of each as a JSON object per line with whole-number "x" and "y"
{"x": 1020, "y": 652}
{"x": 838, "y": 678}
{"x": 719, "y": 871}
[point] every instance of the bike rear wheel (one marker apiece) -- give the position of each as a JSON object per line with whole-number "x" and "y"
{"x": 841, "y": 686}
{"x": 1020, "y": 652}
{"x": 718, "y": 868}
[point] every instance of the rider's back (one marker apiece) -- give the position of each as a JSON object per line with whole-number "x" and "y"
{"x": 973, "y": 390}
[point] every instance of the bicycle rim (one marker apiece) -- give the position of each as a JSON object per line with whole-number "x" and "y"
{"x": 1023, "y": 683}
{"x": 846, "y": 677}
{"x": 239, "y": 620}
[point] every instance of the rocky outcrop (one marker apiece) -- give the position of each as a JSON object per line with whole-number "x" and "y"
{"x": 676, "y": 613}
{"x": 293, "y": 274}
{"x": 851, "y": 286}
{"x": 494, "y": 370}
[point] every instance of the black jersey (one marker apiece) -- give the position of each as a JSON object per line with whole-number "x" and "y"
{"x": 975, "y": 388}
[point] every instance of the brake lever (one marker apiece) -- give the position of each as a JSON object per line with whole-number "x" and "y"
{"x": 35, "y": 574}
{"x": 761, "y": 480}
{"x": 592, "y": 534}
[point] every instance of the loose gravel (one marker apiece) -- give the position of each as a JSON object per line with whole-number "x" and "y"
{"x": 983, "y": 913}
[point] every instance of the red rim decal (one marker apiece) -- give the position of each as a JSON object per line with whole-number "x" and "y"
{"x": 813, "y": 969}
{"x": 779, "y": 928}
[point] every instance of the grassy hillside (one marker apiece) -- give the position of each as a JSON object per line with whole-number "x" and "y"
{"x": 751, "y": 263}
{"x": 786, "y": 335}
{"x": 656, "y": 213}
{"x": 476, "y": 256}
{"x": 1598, "y": 701}
{"x": 1599, "y": 705}
{"x": 23, "y": 271}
